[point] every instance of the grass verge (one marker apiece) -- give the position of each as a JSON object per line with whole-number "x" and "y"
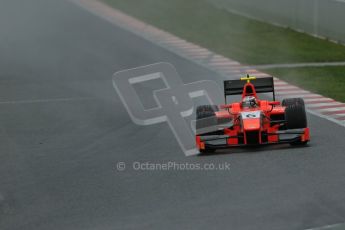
{"x": 329, "y": 81}
{"x": 248, "y": 41}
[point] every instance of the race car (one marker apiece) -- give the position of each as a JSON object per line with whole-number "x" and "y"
{"x": 251, "y": 121}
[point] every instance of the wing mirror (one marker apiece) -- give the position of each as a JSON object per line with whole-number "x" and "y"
{"x": 226, "y": 106}
{"x": 274, "y": 103}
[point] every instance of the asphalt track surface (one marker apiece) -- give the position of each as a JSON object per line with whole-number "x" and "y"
{"x": 58, "y": 157}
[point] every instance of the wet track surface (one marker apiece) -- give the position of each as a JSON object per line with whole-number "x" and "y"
{"x": 64, "y": 129}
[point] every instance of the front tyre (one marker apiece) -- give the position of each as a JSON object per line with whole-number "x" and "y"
{"x": 299, "y": 143}
{"x": 206, "y": 151}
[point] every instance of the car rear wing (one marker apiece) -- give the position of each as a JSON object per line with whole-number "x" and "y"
{"x": 262, "y": 85}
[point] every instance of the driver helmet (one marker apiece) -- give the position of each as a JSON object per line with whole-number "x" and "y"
{"x": 249, "y": 102}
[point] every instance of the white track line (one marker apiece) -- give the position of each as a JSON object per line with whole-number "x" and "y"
{"x": 45, "y": 100}
{"x": 331, "y": 226}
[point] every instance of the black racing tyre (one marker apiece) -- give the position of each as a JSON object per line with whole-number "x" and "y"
{"x": 299, "y": 143}
{"x": 204, "y": 111}
{"x": 293, "y": 101}
{"x": 206, "y": 151}
{"x": 295, "y": 114}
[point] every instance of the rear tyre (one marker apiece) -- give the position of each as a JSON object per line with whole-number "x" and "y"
{"x": 293, "y": 101}
{"x": 295, "y": 114}
{"x": 204, "y": 111}
{"x": 206, "y": 116}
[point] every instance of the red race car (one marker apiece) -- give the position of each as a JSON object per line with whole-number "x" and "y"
{"x": 251, "y": 121}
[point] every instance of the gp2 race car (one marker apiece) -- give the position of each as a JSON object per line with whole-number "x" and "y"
{"x": 251, "y": 121}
